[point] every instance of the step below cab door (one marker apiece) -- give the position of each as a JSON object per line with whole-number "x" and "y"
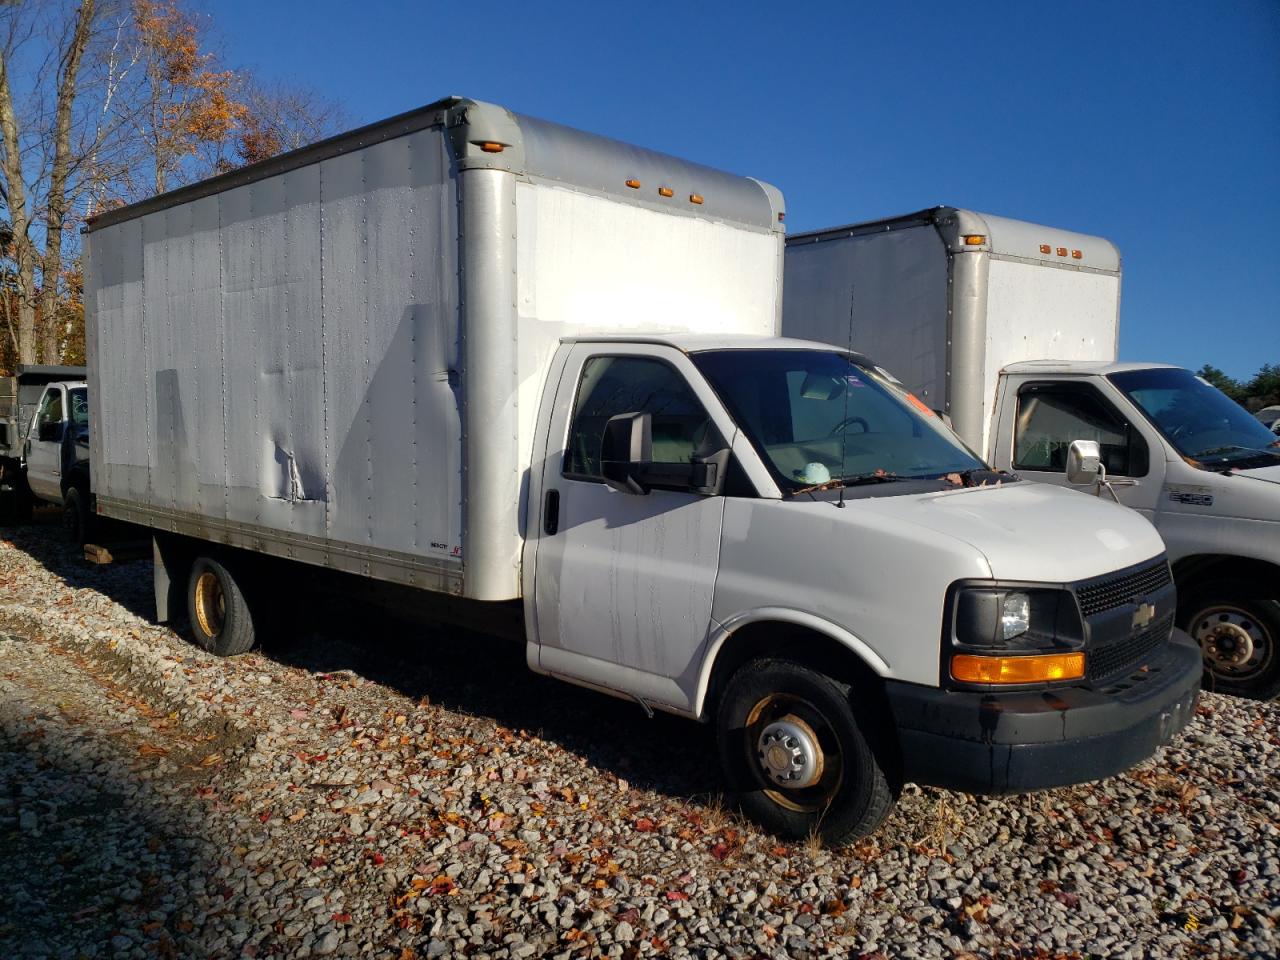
{"x": 1041, "y": 416}
{"x": 624, "y": 582}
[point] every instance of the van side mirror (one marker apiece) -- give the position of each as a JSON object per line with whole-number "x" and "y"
{"x": 626, "y": 447}
{"x": 1084, "y": 462}
{"x": 626, "y": 460}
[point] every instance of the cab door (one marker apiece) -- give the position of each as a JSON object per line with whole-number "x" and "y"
{"x": 623, "y": 582}
{"x": 1041, "y": 417}
{"x": 44, "y": 445}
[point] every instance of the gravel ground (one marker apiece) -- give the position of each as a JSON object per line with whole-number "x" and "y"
{"x": 366, "y": 791}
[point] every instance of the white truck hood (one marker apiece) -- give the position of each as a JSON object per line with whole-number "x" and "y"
{"x": 1031, "y": 531}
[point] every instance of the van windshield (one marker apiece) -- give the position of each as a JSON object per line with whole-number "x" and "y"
{"x": 1201, "y": 421}
{"x": 823, "y": 418}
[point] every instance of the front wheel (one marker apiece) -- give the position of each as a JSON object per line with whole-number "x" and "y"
{"x": 75, "y": 518}
{"x": 218, "y": 611}
{"x": 795, "y": 755}
{"x": 1238, "y": 627}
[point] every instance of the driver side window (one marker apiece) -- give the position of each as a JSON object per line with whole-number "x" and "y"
{"x": 613, "y": 385}
{"x": 1051, "y": 416}
{"x": 50, "y": 408}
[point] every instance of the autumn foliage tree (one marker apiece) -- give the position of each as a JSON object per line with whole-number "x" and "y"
{"x": 189, "y": 106}
{"x": 104, "y": 102}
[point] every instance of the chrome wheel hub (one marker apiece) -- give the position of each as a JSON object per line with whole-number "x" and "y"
{"x": 789, "y": 753}
{"x": 1233, "y": 643}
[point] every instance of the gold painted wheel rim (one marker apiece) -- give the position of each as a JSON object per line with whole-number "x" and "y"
{"x": 829, "y": 760}
{"x": 211, "y": 604}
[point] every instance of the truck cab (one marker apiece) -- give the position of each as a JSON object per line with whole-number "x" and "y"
{"x": 774, "y": 536}
{"x": 55, "y": 453}
{"x": 1190, "y": 460}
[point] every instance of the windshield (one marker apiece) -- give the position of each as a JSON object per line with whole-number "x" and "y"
{"x": 818, "y": 417}
{"x": 1201, "y": 421}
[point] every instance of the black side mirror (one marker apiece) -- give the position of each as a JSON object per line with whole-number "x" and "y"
{"x": 625, "y": 448}
{"x": 49, "y": 430}
{"x": 626, "y": 451}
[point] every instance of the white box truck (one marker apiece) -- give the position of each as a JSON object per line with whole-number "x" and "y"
{"x": 1010, "y": 329}
{"x": 532, "y": 370}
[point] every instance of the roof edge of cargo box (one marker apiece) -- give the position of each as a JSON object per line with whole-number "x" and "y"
{"x": 1002, "y": 237}
{"x": 488, "y": 136}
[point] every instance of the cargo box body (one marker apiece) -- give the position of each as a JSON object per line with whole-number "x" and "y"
{"x": 336, "y": 356}
{"x": 946, "y": 298}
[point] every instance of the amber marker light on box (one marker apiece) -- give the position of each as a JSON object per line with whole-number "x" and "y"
{"x": 666, "y": 192}
{"x": 1045, "y": 248}
{"x": 1062, "y": 251}
{"x": 1041, "y": 668}
{"x": 1077, "y": 254}
{"x": 974, "y": 240}
{"x": 695, "y": 198}
{"x": 633, "y": 184}
{"x": 490, "y": 147}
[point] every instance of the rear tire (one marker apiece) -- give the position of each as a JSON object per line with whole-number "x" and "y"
{"x": 796, "y": 755}
{"x": 220, "y": 616}
{"x": 1237, "y": 625}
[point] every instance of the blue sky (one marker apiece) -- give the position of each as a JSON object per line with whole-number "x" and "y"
{"x": 1155, "y": 124}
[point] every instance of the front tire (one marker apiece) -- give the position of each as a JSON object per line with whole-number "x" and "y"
{"x": 796, "y": 755}
{"x": 219, "y": 614}
{"x": 75, "y": 518}
{"x": 1238, "y": 628}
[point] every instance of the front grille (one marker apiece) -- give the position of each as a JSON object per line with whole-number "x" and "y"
{"x": 1128, "y": 653}
{"x": 1103, "y": 595}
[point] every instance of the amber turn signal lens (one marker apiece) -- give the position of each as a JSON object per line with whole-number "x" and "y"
{"x": 633, "y": 184}
{"x": 974, "y": 239}
{"x": 1035, "y": 669}
{"x": 489, "y": 147}
{"x": 666, "y": 192}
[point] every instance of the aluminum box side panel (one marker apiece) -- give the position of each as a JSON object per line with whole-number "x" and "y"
{"x": 897, "y": 285}
{"x": 591, "y": 264}
{"x": 273, "y": 363}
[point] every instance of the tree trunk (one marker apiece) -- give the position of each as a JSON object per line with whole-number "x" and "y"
{"x": 23, "y": 252}
{"x": 51, "y": 266}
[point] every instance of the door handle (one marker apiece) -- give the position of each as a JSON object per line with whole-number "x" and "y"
{"x": 551, "y": 513}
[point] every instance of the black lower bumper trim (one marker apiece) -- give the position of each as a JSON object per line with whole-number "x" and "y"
{"x": 1017, "y": 742}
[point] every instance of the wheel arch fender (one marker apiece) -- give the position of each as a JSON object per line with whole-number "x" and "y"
{"x": 761, "y": 631}
{"x": 1194, "y": 569}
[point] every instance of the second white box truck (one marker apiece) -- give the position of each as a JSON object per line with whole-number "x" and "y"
{"x": 498, "y": 360}
{"x": 1011, "y": 329}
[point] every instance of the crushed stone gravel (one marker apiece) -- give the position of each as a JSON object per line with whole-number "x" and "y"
{"x": 375, "y": 788}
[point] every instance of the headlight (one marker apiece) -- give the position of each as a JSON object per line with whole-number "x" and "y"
{"x": 1015, "y": 615}
{"x": 1013, "y": 635}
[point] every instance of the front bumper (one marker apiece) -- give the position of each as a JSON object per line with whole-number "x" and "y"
{"x": 983, "y": 742}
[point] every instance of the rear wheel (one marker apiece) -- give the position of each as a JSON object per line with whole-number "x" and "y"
{"x": 1238, "y": 627}
{"x": 219, "y": 613}
{"x": 797, "y": 757}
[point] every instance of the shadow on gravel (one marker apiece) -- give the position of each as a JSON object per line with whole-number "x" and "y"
{"x": 486, "y": 676}
{"x": 460, "y": 669}
{"x": 128, "y": 584}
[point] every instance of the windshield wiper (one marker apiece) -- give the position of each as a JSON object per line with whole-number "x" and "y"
{"x": 878, "y": 476}
{"x": 857, "y": 479}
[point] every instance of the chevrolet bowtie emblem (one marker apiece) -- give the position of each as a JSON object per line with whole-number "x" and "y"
{"x": 1145, "y": 613}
